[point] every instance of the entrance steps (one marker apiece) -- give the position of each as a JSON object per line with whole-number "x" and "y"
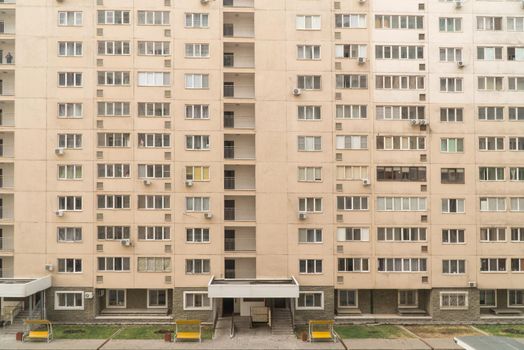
{"x": 281, "y": 323}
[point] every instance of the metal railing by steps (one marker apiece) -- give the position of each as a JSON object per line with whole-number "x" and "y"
{"x": 282, "y": 323}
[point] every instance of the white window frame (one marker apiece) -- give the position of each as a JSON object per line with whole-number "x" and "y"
{"x": 308, "y": 233}
{"x": 72, "y": 234}
{"x": 309, "y": 174}
{"x": 451, "y": 307}
{"x": 349, "y": 306}
{"x": 191, "y": 308}
{"x": 75, "y": 307}
{"x": 494, "y": 299}
{"x": 198, "y": 235}
{"x": 321, "y": 307}
{"x": 165, "y": 306}
{"x": 308, "y": 22}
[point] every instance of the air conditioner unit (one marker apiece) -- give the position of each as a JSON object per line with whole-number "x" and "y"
{"x": 189, "y": 183}
{"x": 126, "y": 242}
{"x": 413, "y": 122}
{"x": 49, "y": 267}
{"x": 208, "y": 215}
{"x": 204, "y": 2}
{"x": 472, "y": 284}
{"x": 423, "y": 122}
{"x": 59, "y": 213}
{"x": 297, "y": 92}
{"x": 59, "y": 151}
{"x": 147, "y": 182}
{"x": 460, "y": 64}
{"x": 361, "y": 1}
{"x": 302, "y": 216}
{"x": 459, "y": 3}
{"x": 362, "y": 60}
{"x": 88, "y": 295}
{"x": 366, "y": 182}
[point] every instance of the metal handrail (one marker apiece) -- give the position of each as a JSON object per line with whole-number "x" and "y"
{"x": 232, "y": 327}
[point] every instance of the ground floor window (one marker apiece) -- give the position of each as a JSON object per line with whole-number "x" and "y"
{"x": 347, "y": 298}
{"x": 310, "y": 300}
{"x": 516, "y": 297}
{"x": 487, "y": 297}
{"x": 196, "y": 301}
{"x": 157, "y": 298}
{"x": 116, "y": 298}
{"x": 408, "y": 298}
{"x": 453, "y": 300}
{"x": 69, "y": 300}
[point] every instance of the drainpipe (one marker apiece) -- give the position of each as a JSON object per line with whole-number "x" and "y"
{"x": 371, "y": 308}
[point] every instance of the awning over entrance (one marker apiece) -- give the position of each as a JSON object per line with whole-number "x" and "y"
{"x": 253, "y": 288}
{"x": 23, "y": 287}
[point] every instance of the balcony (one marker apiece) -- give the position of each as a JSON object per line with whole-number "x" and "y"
{"x": 240, "y": 239}
{"x": 239, "y": 177}
{"x": 239, "y": 55}
{"x": 239, "y": 147}
{"x": 7, "y": 22}
{"x": 239, "y": 3}
{"x": 239, "y": 116}
{"x": 6, "y": 207}
{"x": 7, "y": 145}
{"x": 239, "y": 208}
{"x": 240, "y": 268}
{"x": 239, "y": 86}
{"x": 239, "y": 25}
{"x": 6, "y": 267}
{"x": 6, "y": 239}
{"x": 7, "y": 179}
{"x": 7, "y": 82}
{"x": 7, "y": 51}
{"x": 7, "y": 114}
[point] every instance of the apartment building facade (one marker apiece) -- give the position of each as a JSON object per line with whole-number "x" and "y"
{"x": 192, "y": 159}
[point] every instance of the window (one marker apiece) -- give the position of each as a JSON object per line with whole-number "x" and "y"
{"x": 154, "y": 233}
{"x": 350, "y": 20}
{"x": 404, "y": 143}
{"x": 493, "y": 265}
{"x": 516, "y": 174}
{"x": 117, "y": 78}
{"x": 517, "y": 234}
{"x": 491, "y": 113}
{"x": 401, "y": 234}
{"x": 197, "y": 266}
{"x": 310, "y": 266}
{"x": 154, "y": 264}
{"x": 353, "y": 265}
{"x": 309, "y": 235}
{"x": 491, "y": 53}
{"x": 347, "y": 298}
{"x": 69, "y": 79}
{"x": 351, "y": 112}
{"x": 153, "y": 109}
{"x": 450, "y": 54}
{"x": 116, "y": 298}
{"x": 450, "y": 84}
{"x": 397, "y": 173}
{"x": 197, "y": 50}
{"x": 401, "y": 203}
{"x": 69, "y": 172}
{"x": 153, "y": 18}
{"x": 490, "y": 83}
{"x": 308, "y": 52}
{"x": 154, "y": 140}
{"x": 152, "y": 202}
{"x": 70, "y": 110}
{"x": 308, "y": 82}
{"x": 106, "y": 139}
{"x": 516, "y": 143}
{"x": 154, "y": 171}
{"x": 453, "y": 266}
{"x": 408, "y": 298}
{"x": 197, "y": 81}
{"x": 493, "y": 234}
{"x": 197, "y": 173}
{"x": 492, "y": 204}
{"x": 70, "y": 48}
{"x": 452, "y": 175}
{"x": 69, "y": 234}
{"x": 197, "y": 235}
{"x": 351, "y": 51}
{"x": 399, "y": 82}
{"x": 112, "y": 17}
{"x": 113, "y": 47}
{"x": 516, "y": 83}
{"x": 399, "y": 22}
{"x": 309, "y": 143}
{"x": 517, "y": 204}
{"x": 113, "y": 264}
{"x": 450, "y": 24}
{"x": 489, "y": 23}
{"x": 453, "y": 300}
{"x": 304, "y": 22}
{"x": 110, "y": 171}
{"x": 154, "y": 48}
{"x": 451, "y": 114}
{"x": 196, "y": 301}
{"x": 310, "y": 300}
{"x": 70, "y": 203}
{"x": 352, "y": 172}
{"x": 70, "y": 265}
{"x": 154, "y": 79}
{"x": 402, "y": 264}
{"x": 351, "y": 142}
{"x": 113, "y": 201}
{"x": 197, "y": 204}
{"x": 352, "y": 203}
{"x": 351, "y": 81}
{"x": 452, "y": 145}
{"x": 400, "y": 112}
{"x": 113, "y": 109}
{"x": 452, "y": 205}
{"x": 491, "y": 174}
{"x": 111, "y": 233}
{"x": 515, "y": 24}
{"x": 69, "y": 300}
{"x": 309, "y": 112}
{"x": 516, "y": 297}
{"x": 491, "y": 143}
{"x": 516, "y": 113}
{"x": 309, "y": 174}
{"x": 399, "y": 52}
{"x": 197, "y": 111}
{"x": 69, "y": 18}
{"x": 157, "y": 298}
{"x": 453, "y": 236}
{"x": 197, "y": 142}
{"x": 488, "y": 297}
{"x": 348, "y": 234}
{"x": 310, "y": 205}
{"x": 197, "y": 20}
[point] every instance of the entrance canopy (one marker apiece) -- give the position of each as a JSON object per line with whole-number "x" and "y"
{"x": 23, "y": 287}
{"x": 253, "y": 288}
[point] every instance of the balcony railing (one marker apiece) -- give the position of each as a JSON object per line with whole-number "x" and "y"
{"x": 6, "y": 244}
{"x": 7, "y": 2}
{"x": 6, "y": 181}
{"x": 6, "y": 151}
{"x": 239, "y": 244}
{"x": 239, "y": 3}
{"x": 232, "y": 183}
{"x": 239, "y": 91}
{"x": 239, "y": 122}
{"x": 233, "y": 152}
{"x": 234, "y": 214}
{"x": 238, "y": 61}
